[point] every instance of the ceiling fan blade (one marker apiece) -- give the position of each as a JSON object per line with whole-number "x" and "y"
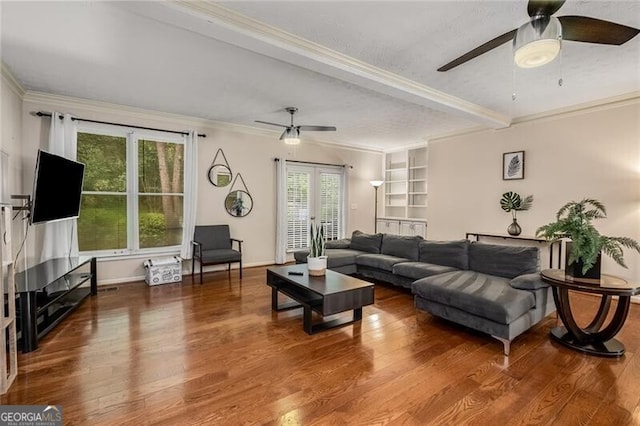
{"x": 592, "y": 30}
{"x": 271, "y": 124}
{"x": 491, "y": 44}
{"x": 283, "y": 133}
{"x": 317, "y": 128}
{"x": 543, "y": 7}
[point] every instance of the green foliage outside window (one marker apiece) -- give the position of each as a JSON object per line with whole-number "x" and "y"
{"x": 102, "y": 224}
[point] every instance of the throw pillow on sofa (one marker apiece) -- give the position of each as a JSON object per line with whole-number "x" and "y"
{"x": 406, "y": 247}
{"x": 366, "y": 242}
{"x": 503, "y": 261}
{"x": 446, "y": 253}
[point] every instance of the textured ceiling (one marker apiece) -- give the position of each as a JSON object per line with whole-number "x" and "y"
{"x": 368, "y": 68}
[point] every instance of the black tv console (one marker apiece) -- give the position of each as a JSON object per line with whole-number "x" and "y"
{"x": 48, "y": 293}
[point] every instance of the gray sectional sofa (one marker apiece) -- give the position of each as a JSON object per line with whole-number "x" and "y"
{"x": 494, "y": 289}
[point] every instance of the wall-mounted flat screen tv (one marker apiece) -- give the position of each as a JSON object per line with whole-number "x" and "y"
{"x": 57, "y": 188}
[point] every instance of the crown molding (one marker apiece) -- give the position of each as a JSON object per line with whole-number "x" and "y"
{"x": 11, "y": 81}
{"x": 572, "y": 111}
{"x": 237, "y": 29}
{"x": 406, "y": 147}
{"x": 79, "y": 105}
{"x": 136, "y": 113}
{"x": 584, "y": 108}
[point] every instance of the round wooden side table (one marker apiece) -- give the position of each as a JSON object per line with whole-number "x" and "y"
{"x": 595, "y": 338}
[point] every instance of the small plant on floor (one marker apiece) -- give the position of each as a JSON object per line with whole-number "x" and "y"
{"x": 317, "y": 241}
{"x": 573, "y": 221}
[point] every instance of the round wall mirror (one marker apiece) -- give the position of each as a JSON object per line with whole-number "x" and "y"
{"x": 238, "y": 203}
{"x": 219, "y": 175}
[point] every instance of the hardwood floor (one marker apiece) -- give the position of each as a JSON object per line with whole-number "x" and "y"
{"x": 216, "y": 354}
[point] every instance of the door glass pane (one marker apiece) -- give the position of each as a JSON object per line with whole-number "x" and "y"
{"x": 298, "y": 205}
{"x": 160, "y": 220}
{"x": 102, "y": 224}
{"x": 330, "y": 205}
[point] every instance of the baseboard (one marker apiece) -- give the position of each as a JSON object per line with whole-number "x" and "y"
{"x": 185, "y": 271}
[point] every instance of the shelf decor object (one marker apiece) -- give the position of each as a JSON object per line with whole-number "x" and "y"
{"x": 238, "y": 202}
{"x": 513, "y": 165}
{"x": 513, "y": 202}
{"x": 219, "y": 173}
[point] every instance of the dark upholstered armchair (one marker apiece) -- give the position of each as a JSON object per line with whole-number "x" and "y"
{"x": 212, "y": 245}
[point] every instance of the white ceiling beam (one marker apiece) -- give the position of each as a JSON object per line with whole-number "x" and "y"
{"x": 212, "y": 20}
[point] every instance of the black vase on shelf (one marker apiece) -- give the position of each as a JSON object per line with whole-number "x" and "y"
{"x": 575, "y": 269}
{"x": 514, "y": 229}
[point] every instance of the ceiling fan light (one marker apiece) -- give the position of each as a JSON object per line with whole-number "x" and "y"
{"x": 291, "y": 136}
{"x": 537, "y": 42}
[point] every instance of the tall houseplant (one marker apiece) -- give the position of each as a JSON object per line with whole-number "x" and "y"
{"x": 513, "y": 202}
{"x": 317, "y": 259}
{"x": 573, "y": 221}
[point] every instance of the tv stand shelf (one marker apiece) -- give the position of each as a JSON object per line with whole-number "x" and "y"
{"x": 49, "y": 292}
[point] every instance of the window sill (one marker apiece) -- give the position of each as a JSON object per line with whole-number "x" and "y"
{"x": 110, "y": 257}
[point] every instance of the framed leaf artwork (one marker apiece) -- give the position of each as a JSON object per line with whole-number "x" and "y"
{"x": 513, "y": 165}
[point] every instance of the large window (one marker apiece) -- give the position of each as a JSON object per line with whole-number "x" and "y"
{"x": 314, "y": 194}
{"x": 133, "y": 191}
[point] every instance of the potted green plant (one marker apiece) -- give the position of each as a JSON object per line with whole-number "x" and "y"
{"x": 317, "y": 259}
{"x": 573, "y": 221}
{"x": 513, "y": 202}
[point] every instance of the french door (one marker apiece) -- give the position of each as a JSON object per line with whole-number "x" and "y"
{"x": 314, "y": 194}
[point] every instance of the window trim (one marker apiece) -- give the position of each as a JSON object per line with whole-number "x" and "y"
{"x": 132, "y": 136}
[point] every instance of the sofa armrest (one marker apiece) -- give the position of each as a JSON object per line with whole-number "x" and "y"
{"x": 528, "y": 282}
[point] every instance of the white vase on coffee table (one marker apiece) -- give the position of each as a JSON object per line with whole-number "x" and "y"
{"x": 317, "y": 265}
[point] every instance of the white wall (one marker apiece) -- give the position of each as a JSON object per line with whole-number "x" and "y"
{"x": 10, "y": 141}
{"x": 249, "y": 152}
{"x": 594, "y": 153}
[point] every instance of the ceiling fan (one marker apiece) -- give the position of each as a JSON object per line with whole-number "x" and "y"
{"x": 291, "y": 134}
{"x": 538, "y": 41}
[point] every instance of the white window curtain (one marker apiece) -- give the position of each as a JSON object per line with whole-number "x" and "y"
{"x": 190, "y": 192}
{"x": 281, "y": 211}
{"x": 61, "y": 238}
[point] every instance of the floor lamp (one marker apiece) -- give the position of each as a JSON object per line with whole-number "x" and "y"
{"x": 376, "y": 184}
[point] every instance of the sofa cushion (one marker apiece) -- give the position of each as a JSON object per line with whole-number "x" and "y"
{"x": 417, "y": 270}
{"x": 401, "y": 246}
{"x": 447, "y": 253}
{"x": 369, "y": 243}
{"x": 528, "y": 282}
{"x": 343, "y": 243}
{"x": 480, "y": 294}
{"x": 379, "y": 261}
{"x": 503, "y": 261}
{"x": 335, "y": 257}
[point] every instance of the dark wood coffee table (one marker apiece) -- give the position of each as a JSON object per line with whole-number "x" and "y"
{"x": 328, "y": 295}
{"x": 595, "y": 338}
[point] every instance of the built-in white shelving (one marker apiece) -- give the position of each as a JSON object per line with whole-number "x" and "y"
{"x": 405, "y": 184}
{"x": 9, "y": 357}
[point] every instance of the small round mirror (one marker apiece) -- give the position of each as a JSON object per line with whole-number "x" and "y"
{"x": 219, "y": 175}
{"x": 238, "y": 203}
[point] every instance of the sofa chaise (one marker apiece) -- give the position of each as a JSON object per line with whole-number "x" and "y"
{"x": 491, "y": 288}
